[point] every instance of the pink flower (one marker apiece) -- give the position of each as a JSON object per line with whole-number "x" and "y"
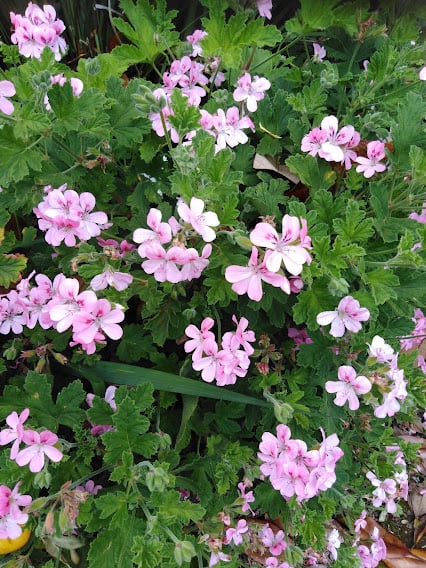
{"x": 200, "y": 221}
{"x": 118, "y": 280}
{"x": 375, "y": 153}
{"x": 89, "y": 487}
{"x": 264, "y": 7}
{"x": 228, "y": 128}
{"x": 194, "y": 39}
{"x": 11, "y": 500}
{"x": 251, "y": 90}
{"x": 235, "y": 535}
{"x": 333, "y": 542}
{"x": 39, "y": 445}
{"x": 160, "y": 232}
{"x": 163, "y": 264}
{"x": 422, "y": 74}
{"x": 319, "y": 52}
{"x": 248, "y": 279}
{"x": 197, "y": 337}
{"x": 273, "y": 541}
{"x": 332, "y": 150}
{"x": 380, "y": 350}
{"x": 348, "y": 387}
{"x": 211, "y": 363}
{"x": 289, "y": 248}
{"x": 100, "y": 319}
{"x": 245, "y": 497}
{"x": 7, "y": 89}
{"x": 15, "y": 432}
{"x": 313, "y": 141}
{"x": 348, "y": 315}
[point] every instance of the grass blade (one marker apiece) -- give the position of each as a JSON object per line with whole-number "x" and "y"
{"x": 131, "y": 375}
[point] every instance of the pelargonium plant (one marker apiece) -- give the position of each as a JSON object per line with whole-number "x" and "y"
{"x": 211, "y": 286}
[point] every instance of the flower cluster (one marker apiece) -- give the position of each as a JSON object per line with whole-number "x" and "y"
{"x": 66, "y": 216}
{"x": 60, "y": 305}
{"x": 191, "y": 78}
{"x": 265, "y": 538}
{"x": 334, "y": 145}
{"x": 373, "y": 555}
{"x": 38, "y": 445}
{"x": 178, "y": 263}
{"x": 389, "y": 489}
{"x": 7, "y": 89}
{"x": 12, "y": 517}
{"x": 37, "y": 29}
{"x": 347, "y": 316}
{"x": 293, "y": 469}
{"x": 288, "y": 248}
{"x": 222, "y": 365}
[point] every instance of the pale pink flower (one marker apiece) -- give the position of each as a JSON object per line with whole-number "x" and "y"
{"x": 333, "y": 542}
{"x": 101, "y": 318}
{"x": 213, "y": 360}
{"x": 15, "y": 432}
{"x": 422, "y": 74}
{"x": 380, "y": 350}
{"x": 159, "y": 231}
{"x": 348, "y": 387}
{"x": 375, "y": 153}
{"x": 289, "y": 248}
{"x": 67, "y": 302}
{"x": 264, "y": 7}
{"x": 273, "y": 541}
{"x": 7, "y": 89}
{"x": 247, "y": 498}
{"x": 200, "y": 220}
{"x": 348, "y": 316}
{"x": 89, "y": 487}
{"x": 39, "y": 445}
{"x": 163, "y": 264}
{"x": 248, "y": 279}
{"x": 197, "y": 337}
{"x": 251, "y": 90}
{"x": 235, "y": 534}
{"x": 118, "y": 280}
{"x": 194, "y": 263}
{"x": 228, "y": 128}
{"x": 194, "y": 39}
{"x": 319, "y": 52}
{"x": 420, "y": 218}
{"x": 313, "y": 141}
{"x": 331, "y": 150}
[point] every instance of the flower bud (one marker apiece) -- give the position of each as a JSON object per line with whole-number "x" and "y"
{"x": 157, "y": 479}
{"x": 283, "y": 412}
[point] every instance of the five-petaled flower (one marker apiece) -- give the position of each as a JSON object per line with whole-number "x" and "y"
{"x": 348, "y": 315}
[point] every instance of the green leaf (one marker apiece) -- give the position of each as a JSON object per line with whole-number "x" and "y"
{"x": 383, "y": 284}
{"x": 147, "y": 552}
{"x": 130, "y": 375}
{"x": 112, "y": 547}
{"x": 149, "y": 28}
{"x": 17, "y": 158}
{"x": 130, "y": 433}
{"x": 313, "y": 173}
{"x": 170, "y": 507}
{"x": 408, "y": 129}
{"x": 135, "y": 344}
{"x": 355, "y": 227}
{"x": 185, "y": 117}
{"x": 11, "y": 266}
{"x": 114, "y": 507}
{"x": 227, "y": 38}
{"x": 68, "y": 404}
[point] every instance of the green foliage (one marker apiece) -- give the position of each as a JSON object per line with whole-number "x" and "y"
{"x": 168, "y": 449}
